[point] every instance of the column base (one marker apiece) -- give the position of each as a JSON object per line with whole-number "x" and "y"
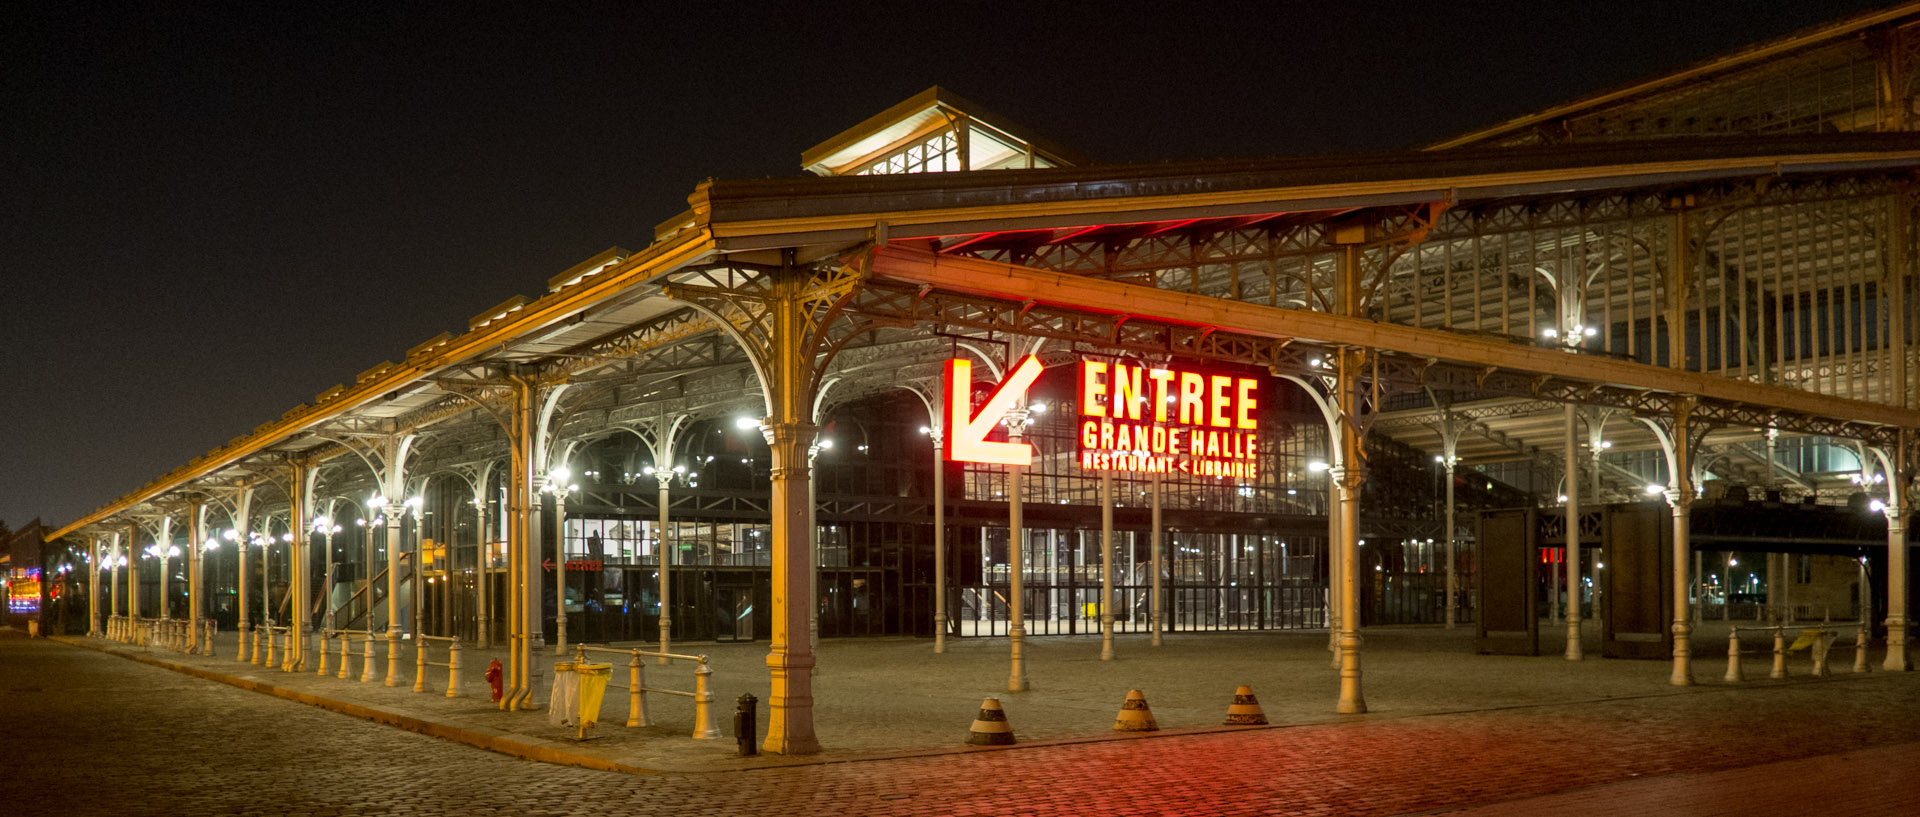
{"x": 790, "y": 706}
{"x": 1017, "y": 674}
{"x": 393, "y": 659}
{"x": 1352, "y": 702}
{"x": 1682, "y": 656}
{"x": 1897, "y": 658}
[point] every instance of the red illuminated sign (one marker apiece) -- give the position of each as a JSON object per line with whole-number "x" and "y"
{"x": 966, "y": 437}
{"x": 1161, "y": 421}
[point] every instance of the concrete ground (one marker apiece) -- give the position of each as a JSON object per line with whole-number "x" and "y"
{"x": 87, "y": 732}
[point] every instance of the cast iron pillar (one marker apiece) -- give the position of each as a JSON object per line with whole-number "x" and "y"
{"x": 1573, "y": 536}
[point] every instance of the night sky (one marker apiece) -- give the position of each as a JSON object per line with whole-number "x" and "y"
{"x": 208, "y": 214}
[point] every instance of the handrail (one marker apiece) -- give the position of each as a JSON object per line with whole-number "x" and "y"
{"x": 373, "y": 585}
{"x": 619, "y": 651}
{"x": 378, "y": 590}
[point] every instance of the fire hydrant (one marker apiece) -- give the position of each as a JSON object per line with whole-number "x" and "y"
{"x": 493, "y": 678}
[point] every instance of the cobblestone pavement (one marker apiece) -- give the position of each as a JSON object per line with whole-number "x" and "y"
{"x": 882, "y": 697}
{"x": 88, "y": 733}
{"x": 1868, "y": 782}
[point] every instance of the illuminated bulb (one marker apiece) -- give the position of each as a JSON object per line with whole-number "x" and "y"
{"x": 1654, "y": 488}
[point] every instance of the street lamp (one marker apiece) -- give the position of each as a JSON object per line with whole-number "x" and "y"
{"x": 326, "y": 527}
{"x": 559, "y": 486}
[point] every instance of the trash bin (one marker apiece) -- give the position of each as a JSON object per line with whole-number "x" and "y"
{"x": 563, "y": 704}
{"x": 592, "y": 682}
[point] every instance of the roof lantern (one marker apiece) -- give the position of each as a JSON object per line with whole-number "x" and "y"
{"x": 934, "y": 131}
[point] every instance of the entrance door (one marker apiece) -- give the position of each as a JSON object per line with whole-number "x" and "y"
{"x": 736, "y": 606}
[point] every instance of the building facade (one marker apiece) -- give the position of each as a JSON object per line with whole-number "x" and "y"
{"x": 1697, "y": 282}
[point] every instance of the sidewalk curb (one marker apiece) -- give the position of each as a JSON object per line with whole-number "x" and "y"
{"x": 492, "y": 743}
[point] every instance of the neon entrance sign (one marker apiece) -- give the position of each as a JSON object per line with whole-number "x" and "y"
{"x": 1150, "y": 420}
{"x": 1134, "y": 419}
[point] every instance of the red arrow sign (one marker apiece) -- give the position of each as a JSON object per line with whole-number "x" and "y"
{"x": 548, "y": 564}
{"x": 966, "y": 438}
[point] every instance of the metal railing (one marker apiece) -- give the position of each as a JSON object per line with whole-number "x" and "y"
{"x": 280, "y": 643}
{"x": 420, "y": 646}
{"x": 637, "y": 687}
{"x": 1822, "y": 637}
{"x": 345, "y": 647}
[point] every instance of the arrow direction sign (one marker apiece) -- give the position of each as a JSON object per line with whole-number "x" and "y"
{"x": 967, "y": 439}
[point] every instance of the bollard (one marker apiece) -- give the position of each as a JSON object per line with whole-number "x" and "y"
{"x": 256, "y": 645}
{"x": 636, "y": 699}
{"x": 1822, "y": 642}
{"x": 453, "y": 668}
{"x": 270, "y": 647}
{"x": 346, "y": 653}
{"x": 213, "y": 629}
{"x": 1860, "y": 648}
{"x": 324, "y": 635}
{"x": 240, "y": 645}
{"x": 1733, "y": 657}
{"x": 703, "y": 703}
{"x": 366, "y": 661}
{"x": 745, "y": 720}
{"x": 420, "y": 665}
{"x": 1779, "y": 653}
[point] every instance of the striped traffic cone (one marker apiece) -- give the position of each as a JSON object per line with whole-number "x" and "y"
{"x": 1134, "y": 715}
{"x": 1245, "y": 710}
{"x": 991, "y": 727}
